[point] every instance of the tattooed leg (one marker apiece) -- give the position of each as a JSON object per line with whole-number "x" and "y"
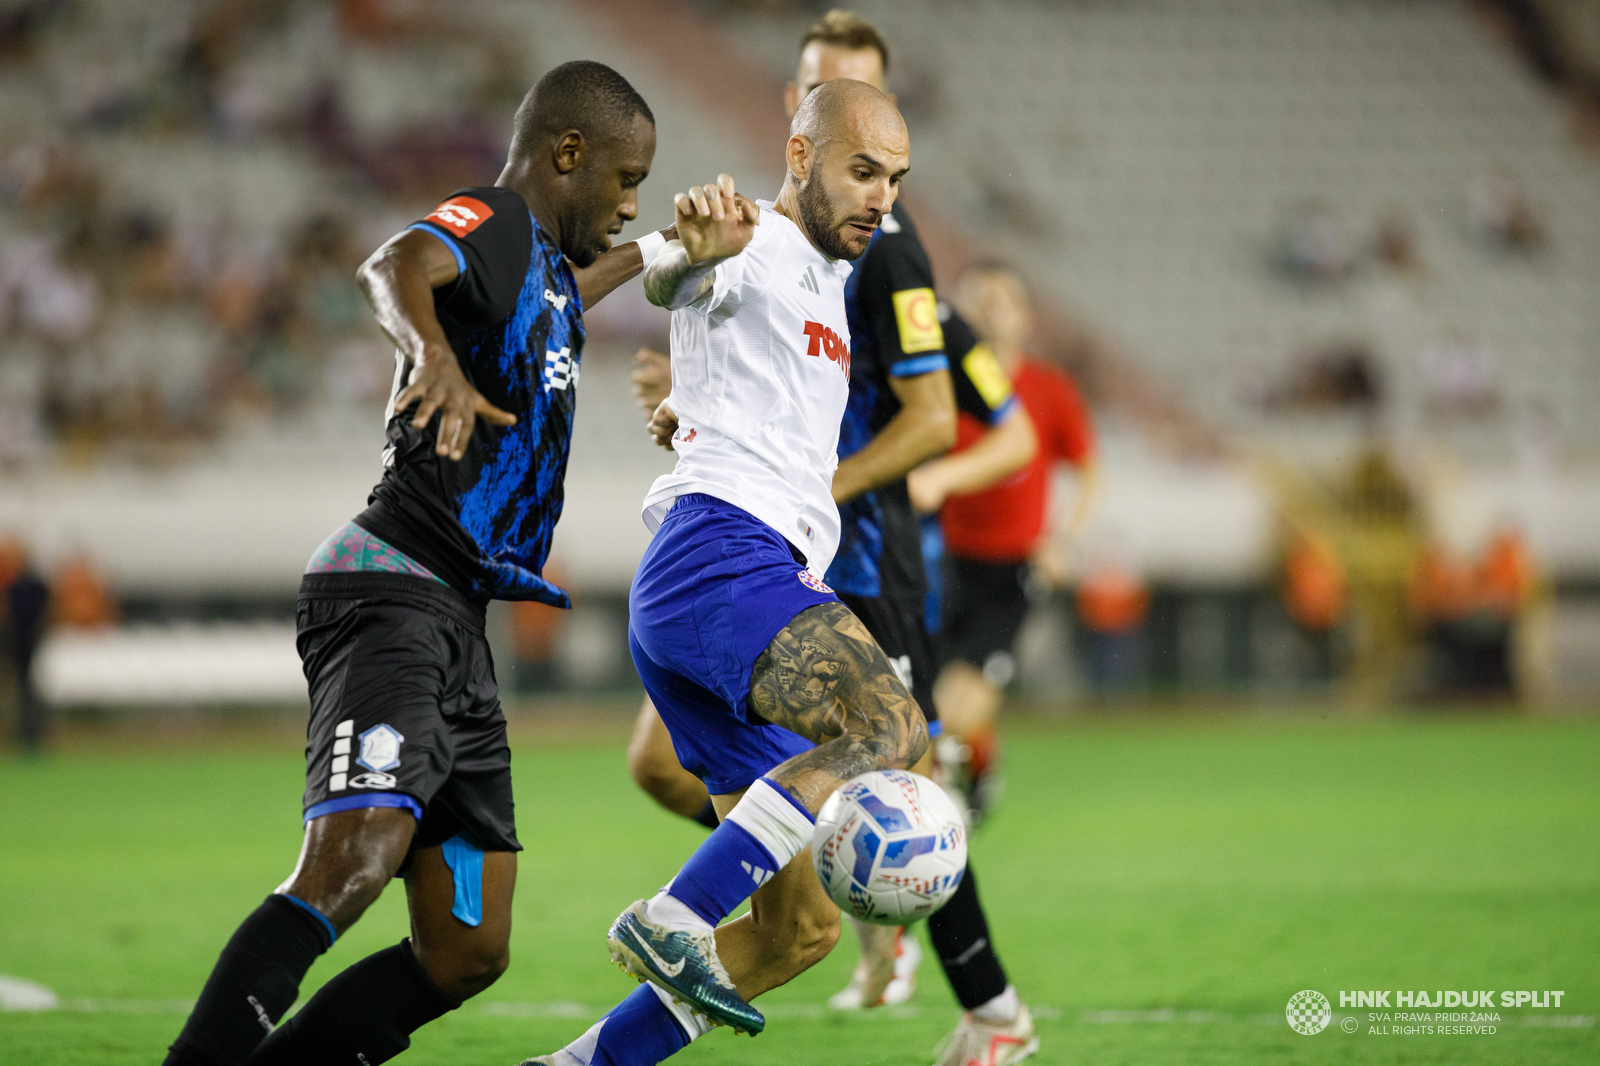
{"x": 825, "y": 678}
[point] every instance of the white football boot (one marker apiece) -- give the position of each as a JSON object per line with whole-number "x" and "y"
{"x": 977, "y": 1042}
{"x": 886, "y": 976}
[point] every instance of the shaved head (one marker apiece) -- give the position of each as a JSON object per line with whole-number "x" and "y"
{"x": 846, "y": 109}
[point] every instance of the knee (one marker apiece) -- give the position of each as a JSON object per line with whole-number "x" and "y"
{"x": 648, "y": 772}
{"x": 916, "y": 742}
{"x": 463, "y": 969}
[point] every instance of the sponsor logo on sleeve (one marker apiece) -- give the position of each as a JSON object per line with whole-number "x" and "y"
{"x": 917, "y": 313}
{"x": 987, "y": 374}
{"x": 825, "y": 341}
{"x": 461, "y": 214}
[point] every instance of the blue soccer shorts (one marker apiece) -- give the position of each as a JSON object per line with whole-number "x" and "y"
{"x": 715, "y": 587}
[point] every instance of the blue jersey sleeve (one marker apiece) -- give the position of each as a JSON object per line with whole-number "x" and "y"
{"x": 490, "y": 233}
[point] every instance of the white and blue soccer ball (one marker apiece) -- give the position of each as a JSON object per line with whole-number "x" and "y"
{"x": 890, "y": 847}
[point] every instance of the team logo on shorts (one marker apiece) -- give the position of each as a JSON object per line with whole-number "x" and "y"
{"x": 813, "y": 582}
{"x": 380, "y": 748}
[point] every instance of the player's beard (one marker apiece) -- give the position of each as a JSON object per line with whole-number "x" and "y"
{"x": 824, "y": 226}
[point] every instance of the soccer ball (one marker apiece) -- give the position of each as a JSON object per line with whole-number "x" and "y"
{"x": 890, "y": 847}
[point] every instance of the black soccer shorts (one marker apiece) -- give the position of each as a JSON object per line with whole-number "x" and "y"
{"x": 897, "y": 624}
{"x": 983, "y": 609}
{"x": 404, "y": 707}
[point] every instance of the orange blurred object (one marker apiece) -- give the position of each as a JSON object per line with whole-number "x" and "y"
{"x": 536, "y": 626}
{"x": 1506, "y": 573}
{"x": 1443, "y": 586}
{"x": 1110, "y": 600}
{"x": 81, "y": 595}
{"x": 13, "y": 560}
{"x": 1315, "y": 587}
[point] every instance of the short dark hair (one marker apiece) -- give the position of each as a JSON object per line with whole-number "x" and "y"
{"x": 846, "y": 29}
{"x": 582, "y": 95}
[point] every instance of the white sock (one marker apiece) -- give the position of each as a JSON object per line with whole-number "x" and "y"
{"x": 1002, "y": 1008}
{"x": 775, "y": 819}
{"x": 667, "y": 910}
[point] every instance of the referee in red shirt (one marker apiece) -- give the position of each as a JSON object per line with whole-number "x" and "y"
{"x": 995, "y": 539}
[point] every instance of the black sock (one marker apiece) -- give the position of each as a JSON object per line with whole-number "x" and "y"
{"x": 960, "y": 934}
{"x": 253, "y": 983}
{"x": 708, "y": 816}
{"x": 366, "y": 1014}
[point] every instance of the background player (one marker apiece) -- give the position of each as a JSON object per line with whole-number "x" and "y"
{"x": 774, "y": 693}
{"x": 994, "y": 540}
{"x": 407, "y": 763}
{"x": 909, "y": 375}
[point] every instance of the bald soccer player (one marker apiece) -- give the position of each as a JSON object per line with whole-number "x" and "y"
{"x": 775, "y": 694}
{"x": 910, "y": 377}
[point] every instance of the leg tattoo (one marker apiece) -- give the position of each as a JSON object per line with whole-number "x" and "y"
{"x": 825, "y": 678}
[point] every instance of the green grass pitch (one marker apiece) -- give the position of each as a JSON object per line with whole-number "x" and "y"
{"x": 1211, "y": 867}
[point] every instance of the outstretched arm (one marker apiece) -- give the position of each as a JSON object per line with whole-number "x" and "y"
{"x": 925, "y": 426}
{"x": 713, "y": 224}
{"x": 613, "y": 269}
{"x": 398, "y": 281}
{"x": 997, "y": 455}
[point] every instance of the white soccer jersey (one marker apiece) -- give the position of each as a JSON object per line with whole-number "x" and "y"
{"x": 760, "y": 378}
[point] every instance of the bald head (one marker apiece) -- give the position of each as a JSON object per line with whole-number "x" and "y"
{"x": 843, "y": 109}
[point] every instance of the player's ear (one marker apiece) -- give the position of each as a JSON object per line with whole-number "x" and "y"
{"x": 800, "y": 155}
{"x": 568, "y": 151}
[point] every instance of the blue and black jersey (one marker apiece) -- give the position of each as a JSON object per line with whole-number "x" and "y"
{"x": 899, "y": 329}
{"x": 514, "y": 320}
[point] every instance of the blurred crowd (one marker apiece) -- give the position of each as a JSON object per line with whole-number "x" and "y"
{"x": 151, "y": 324}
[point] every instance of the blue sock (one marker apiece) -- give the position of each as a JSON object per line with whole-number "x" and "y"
{"x": 639, "y": 1031}
{"x": 766, "y": 829}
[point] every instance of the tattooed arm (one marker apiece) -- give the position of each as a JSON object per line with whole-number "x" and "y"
{"x": 825, "y": 678}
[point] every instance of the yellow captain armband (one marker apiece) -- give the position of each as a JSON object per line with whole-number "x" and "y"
{"x": 987, "y": 375}
{"x": 917, "y": 314}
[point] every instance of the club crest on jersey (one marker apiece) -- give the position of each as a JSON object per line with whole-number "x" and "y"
{"x": 559, "y": 369}
{"x": 813, "y": 582}
{"x": 461, "y": 214}
{"x": 825, "y": 341}
{"x": 380, "y": 748}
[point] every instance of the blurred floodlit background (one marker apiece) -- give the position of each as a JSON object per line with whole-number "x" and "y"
{"x": 1326, "y": 271}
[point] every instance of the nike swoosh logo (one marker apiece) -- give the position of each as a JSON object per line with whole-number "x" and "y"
{"x": 669, "y": 971}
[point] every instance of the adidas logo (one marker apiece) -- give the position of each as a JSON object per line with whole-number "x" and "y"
{"x": 759, "y": 875}
{"x": 808, "y": 281}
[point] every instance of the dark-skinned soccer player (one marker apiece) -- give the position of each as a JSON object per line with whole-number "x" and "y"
{"x": 407, "y": 766}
